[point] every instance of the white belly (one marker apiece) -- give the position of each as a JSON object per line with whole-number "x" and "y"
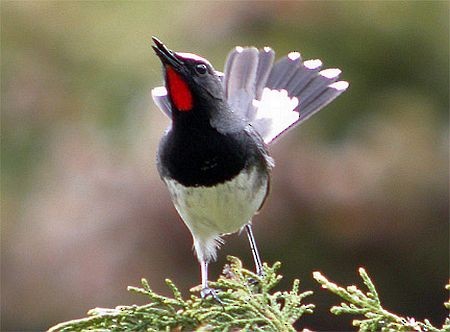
{"x": 210, "y": 212}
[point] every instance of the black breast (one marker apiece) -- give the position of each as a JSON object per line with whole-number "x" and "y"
{"x": 206, "y": 157}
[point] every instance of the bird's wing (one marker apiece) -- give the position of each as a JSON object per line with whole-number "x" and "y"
{"x": 276, "y": 97}
{"x": 161, "y": 99}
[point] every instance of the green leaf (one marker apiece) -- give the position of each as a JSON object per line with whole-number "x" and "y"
{"x": 368, "y": 305}
{"x": 248, "y": 303}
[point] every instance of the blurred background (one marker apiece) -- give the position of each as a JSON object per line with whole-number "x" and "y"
{"x": 363, "y": 183}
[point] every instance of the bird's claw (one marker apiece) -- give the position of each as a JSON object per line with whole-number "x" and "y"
{"x": 210, "y": 292}
{"x": 255, "y": 281}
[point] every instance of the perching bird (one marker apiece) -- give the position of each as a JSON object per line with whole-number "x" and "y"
{"x": 213, "y": 158}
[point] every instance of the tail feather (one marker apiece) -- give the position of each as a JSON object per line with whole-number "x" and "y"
{"x": 249, "y": 72}
{"x": 283, "y": 71}
{"x": 265, "y": 62}
{"x": 316, "y": 86}
{"x": 227, "y": 70}
{"x": 305, "y": 73}
{"x": 240, "y": 84}
{"x": 327, "y": 96}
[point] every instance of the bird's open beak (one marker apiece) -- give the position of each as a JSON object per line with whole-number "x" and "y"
{"x": 166, "y": 56}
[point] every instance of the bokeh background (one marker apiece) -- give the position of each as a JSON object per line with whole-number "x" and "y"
{"x": 363, "y": 183}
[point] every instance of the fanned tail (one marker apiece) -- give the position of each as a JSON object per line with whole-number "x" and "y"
{"x": 276, "y": 97}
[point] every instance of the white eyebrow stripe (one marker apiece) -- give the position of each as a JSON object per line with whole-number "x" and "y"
{"x": 192, "y": 56}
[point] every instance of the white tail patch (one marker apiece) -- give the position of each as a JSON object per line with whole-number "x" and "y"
{"x": 275, "y": 113}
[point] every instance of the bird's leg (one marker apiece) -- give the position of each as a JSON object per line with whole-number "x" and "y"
{"x": 256, "y": 257}
{"x": 206, "y": 290}
{"x": 204, "y": 269}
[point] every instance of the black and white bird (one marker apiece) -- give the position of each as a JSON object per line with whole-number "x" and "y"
{"x": 213, "y": 157}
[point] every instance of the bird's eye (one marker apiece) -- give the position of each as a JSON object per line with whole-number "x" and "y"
{"x": 201, "y": 69}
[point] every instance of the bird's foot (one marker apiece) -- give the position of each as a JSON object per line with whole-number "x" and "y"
{"x": 210, "y": 292}
{"x": 254, "y": 281}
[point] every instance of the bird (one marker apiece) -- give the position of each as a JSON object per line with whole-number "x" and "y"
{"x": 214, "y": 156}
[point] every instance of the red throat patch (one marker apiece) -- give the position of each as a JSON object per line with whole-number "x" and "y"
{"x": 178, "y": 90}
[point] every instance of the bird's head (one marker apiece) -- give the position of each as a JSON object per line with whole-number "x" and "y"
{"x": 190, "y": 80}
